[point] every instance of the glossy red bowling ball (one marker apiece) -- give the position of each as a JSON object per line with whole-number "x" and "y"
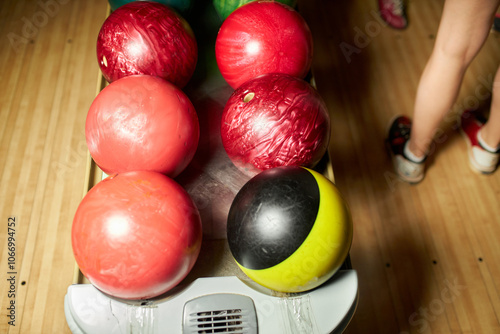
{"x": 263, "y": 37}
{"x": 142, "y": 122}
{"x": 275, "y": 120}
{"x": 144, "y": 37}
{"x": 136, "y": 235}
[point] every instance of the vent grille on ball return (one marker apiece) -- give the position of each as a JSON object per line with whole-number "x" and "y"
{"x": 220, "y": 313}
{"x": 219, "y": 321}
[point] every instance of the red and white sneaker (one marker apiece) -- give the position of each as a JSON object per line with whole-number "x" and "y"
{"x": 393, "y": 13}
{"x": 481, "y": 159}
{"x": 398, "y": 135}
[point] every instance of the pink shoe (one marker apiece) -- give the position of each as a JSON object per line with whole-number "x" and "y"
{"x": 481, "y": 160}
{"x": 393, "y": 12}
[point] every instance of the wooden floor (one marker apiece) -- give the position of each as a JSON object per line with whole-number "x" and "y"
{"x": 428, "y": 256}
{"x": 48, "y": 76}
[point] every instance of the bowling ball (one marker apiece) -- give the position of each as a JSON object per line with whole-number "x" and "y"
{"x": 263, "y": 37}
{"x": 136, "y": 235}
{"x": 289, "y": 229}
{"x": 144, "y": 37}
{"x": 226, "y": 7}
{"x": 275, "y": 120}
{"x": 180, "y": 5}
{"x": 142, "y": 122}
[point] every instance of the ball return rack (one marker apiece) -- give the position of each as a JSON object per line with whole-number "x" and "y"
{"x": 216, "y": 296}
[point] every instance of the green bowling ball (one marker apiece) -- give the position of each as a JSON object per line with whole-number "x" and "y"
{"x": 226, "y": 7}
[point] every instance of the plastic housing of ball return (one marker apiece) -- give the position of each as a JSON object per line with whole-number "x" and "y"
{"x": 206, "y": 306}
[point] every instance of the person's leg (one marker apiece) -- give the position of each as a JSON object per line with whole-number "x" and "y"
{"x": 483, "y": 137}
{"x": 490, "y": 132}
{"x": 463, "y": 29}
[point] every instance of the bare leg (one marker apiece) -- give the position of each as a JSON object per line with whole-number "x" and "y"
{"x": 490, "y": 133}
{"x": 463, "y": 29}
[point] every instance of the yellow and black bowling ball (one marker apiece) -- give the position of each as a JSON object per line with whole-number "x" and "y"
{"x": 289, "y": 229}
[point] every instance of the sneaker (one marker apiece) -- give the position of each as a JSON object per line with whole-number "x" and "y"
{"x": 399, "y": 133}
{"x": 481, "y": 159}
{"x": 393, "y": 13}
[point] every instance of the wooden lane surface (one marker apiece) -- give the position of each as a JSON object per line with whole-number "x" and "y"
{"x": 48, "y": 75}
{"x": 428, "y": 256}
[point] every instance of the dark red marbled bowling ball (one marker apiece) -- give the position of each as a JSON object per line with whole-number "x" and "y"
{"x": 145, "y": 37}
{"x": 275, "y": 120}
{"x": 263, "y": 37}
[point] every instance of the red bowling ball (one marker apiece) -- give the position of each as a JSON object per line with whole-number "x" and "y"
{"x": 136, "y": 235}
{"x": 275, "y": 120}
{"x": 263, "y": 37}
{"x": 142, "y": 122}
{"x": 144, "y": 37}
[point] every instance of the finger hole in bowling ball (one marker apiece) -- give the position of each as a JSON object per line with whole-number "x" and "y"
{"x": 248, "y": 97}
